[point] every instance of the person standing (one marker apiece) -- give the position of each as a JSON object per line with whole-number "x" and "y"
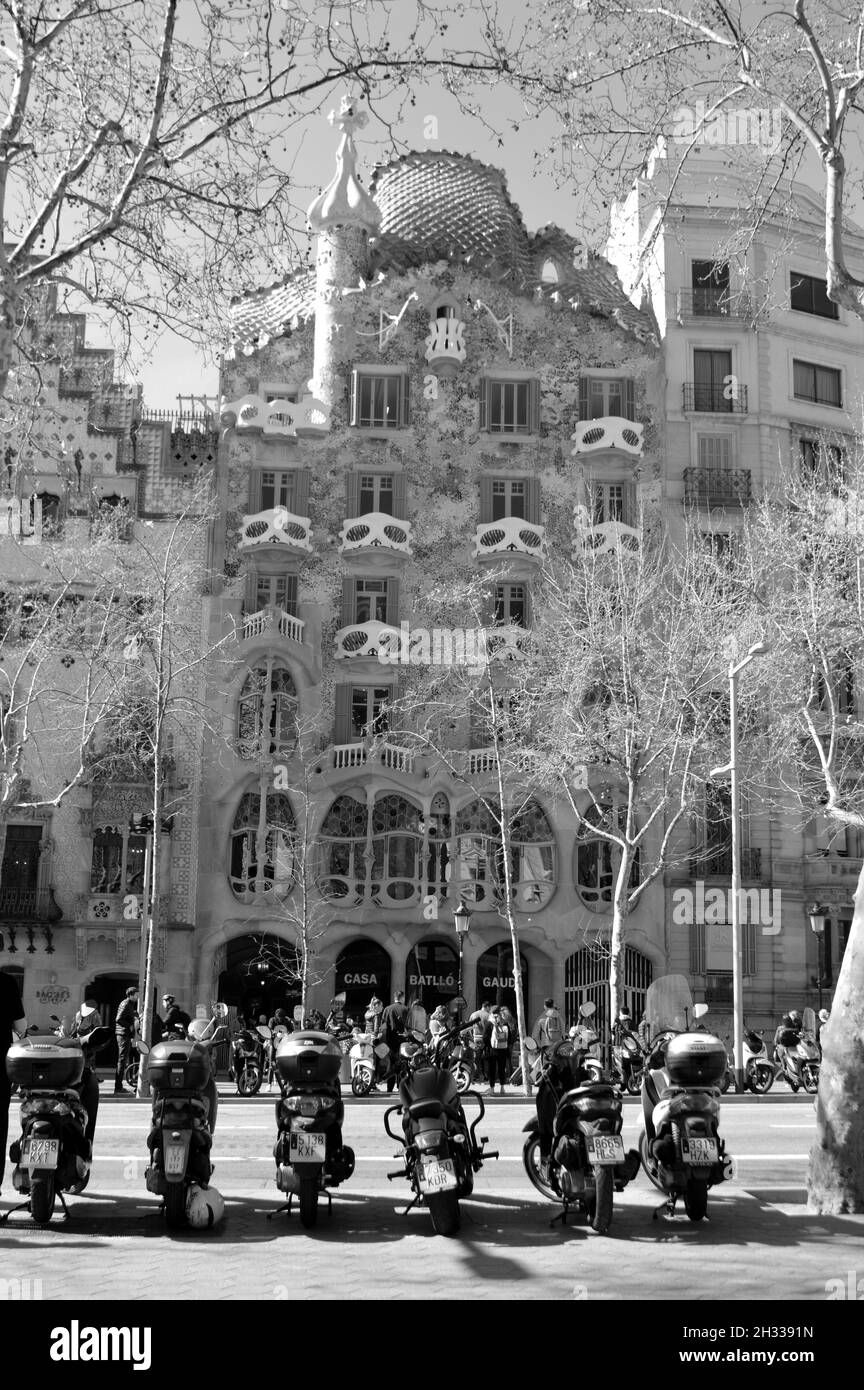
{"x": 394, "y": 1024}
{"x": 549, "y": 1028}
{"x": 86, "y": 1020}
{"x": 480, "y": 1019}
{"x": 497, "y": 1040}
{"x": 11, "y": 1020}
{"x": 124, "y": 1028}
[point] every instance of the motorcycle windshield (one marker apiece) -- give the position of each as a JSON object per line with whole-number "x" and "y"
{"x": 669, "y": 1005}
{"x": 808, "y": 1021}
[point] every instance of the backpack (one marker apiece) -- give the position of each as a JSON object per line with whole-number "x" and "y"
{"x": 552, "y": 1028}
{"x": 500, "y": 1034}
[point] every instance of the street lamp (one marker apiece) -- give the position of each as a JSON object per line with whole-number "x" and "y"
{"x": 461, "y": 921}
{"x": 735, "y": 669}
{"x": 817, "y": 926}
{"x": 142, "y": 824}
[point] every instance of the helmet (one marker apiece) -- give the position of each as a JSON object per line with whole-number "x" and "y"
{"x": 205, "y": 1207}
{"x": 787, "y": 1020}
{"x": 824, "y": 1015}
{"x": 197, "y": 1028}
{"x": 794, "y": 1016}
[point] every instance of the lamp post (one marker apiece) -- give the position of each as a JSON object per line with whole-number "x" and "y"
{"x": 735, "y": 669}
{"x": 137, "y": 824}
{"x": 461, "y": 921}
{"x": 817, "y": 926}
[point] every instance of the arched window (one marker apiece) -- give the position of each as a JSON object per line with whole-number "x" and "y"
{"x": 397, "y": 843}
{"x": 479, "y": 872}
{"x": 262, "y": 846}
{"x": 533, "y": 851}
{"x": 343, "y": 843}
{"x": 597, "y": 859}
{"x": 267, "y": 715}
{"x": 397, "y": 833}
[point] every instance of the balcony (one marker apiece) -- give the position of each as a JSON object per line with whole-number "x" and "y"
{"x": 609, "y": 432}
{"x": 372, "y": 639}
{"x": 604, "y": 537}
{"x": 375, "y": 530}
{"x": 389, "y": 755}
{"x": 707, "y": 303}
{"x": 284, "y": 419}
{"x": 25, "y": 904}
{"x": 718, "y": 864}
{"x": 721, "y": 400}
{"x": 510, "y": 535}
{"x": 269, "y": 621}
{"x": 276, "y": 526}
{"x": 481, "y": 760}
{"x": 717, "y": 487}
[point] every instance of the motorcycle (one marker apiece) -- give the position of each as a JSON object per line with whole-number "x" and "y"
{"x": 587, "y": 1163}
{"x": 309, "y": 1153}
{"x": 628, "y": 1063}
{"x": 180, "y": 1138}
{"x": 586, "y": 1040}
{"x": 758, "y": 1071}
{"x": 53, "y": 1154}
{"x": 679, "y": 1143}
{"x": 440, "y": 1150}
{"x": 806, "y": 1054}
{"x": 366, "y": 1056}
{"x": 247, "y": 1059}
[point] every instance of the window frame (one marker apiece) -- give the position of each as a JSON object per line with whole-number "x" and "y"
{"x": 816, "y": 367}
{"x": 500, "y": 428}
{"x": 803, "y": 277}
{"x": 401, "y": 404}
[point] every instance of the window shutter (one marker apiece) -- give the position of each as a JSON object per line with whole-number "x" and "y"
{"x": 301, "y": 492}
{"x": 484, "y": 403}
{"x": 485, "y": 499}
{"x": 528, "y": 606}
{"x": 697, "y": 948}
{"x": 255, "y": 491}
{"x": 393, "y": 602}
{"x": 349, "y": 601}
{"x": 343, "y": 695}
{"x": 399, "y": 496}
{"x": 583, "y": 398}
{"x": 249, "y": 604}
{"x": 631, "y": 514}
{"x": 749, "y": 952}
{"x": 405, "y": 399}
{"x": 352, "y": 494}
{"x": 534, "y": 405}
{"x": 532, "y": 500}
{"x": 355, "y": 397}
{"x": 629, "y": 399}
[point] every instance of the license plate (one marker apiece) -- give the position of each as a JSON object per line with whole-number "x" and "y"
{"x": 41, "y": 1153}
{"x": 175, "y": 1158}
{"x": 307, "y": 1148}
{"x": 699, "y": 1150}
{"x": 437, "y": 1175}
{"x": 605, "y": 1149}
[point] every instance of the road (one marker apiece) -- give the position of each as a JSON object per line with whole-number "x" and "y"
{"x": 759, "y": 1243}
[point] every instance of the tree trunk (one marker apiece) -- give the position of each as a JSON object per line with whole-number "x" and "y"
{"x": 616, "y": 939}
{"x": 835, "y": 1182}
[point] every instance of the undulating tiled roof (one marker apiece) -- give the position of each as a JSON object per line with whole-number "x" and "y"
{"x": 436, "y": 205}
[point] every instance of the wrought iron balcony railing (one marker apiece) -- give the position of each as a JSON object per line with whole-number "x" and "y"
{"x": 717, "y": 487}
{"x": 704, "y": 302}
{"x": 729, "y": 399}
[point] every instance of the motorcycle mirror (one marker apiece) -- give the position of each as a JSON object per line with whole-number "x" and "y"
{"x": 220, "y": 1011}
{"x": 418, "y": 1036}
{"x": 700, "y": 1010}
{"x": 264, "y": 1031}
{"x": 531, "y": 1047}
{"x": 54, "y": 1018}
{"x": 587, "y": 1010}
{"x": 142, "y": 1047}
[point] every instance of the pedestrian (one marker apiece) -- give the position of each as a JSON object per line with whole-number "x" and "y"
{"x": 821, "y": 1022}
{"x": 479, "y": 1019}
{"x": 176, "y": 1020}
{"x": 394, "y": 1022}
{"x": 124, "y": 1028}
{"x": 86, "y": 1020}
{"x": 643, "y": 1033}
{"x": 12, "y": 1020}
{"x": 497, "y": 1040}
{"x": 549, "y": 1028}
{"x": 787, "y": 1037}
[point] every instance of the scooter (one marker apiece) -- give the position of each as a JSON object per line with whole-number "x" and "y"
{"x": 586, "y": 1041}
{"x": 758, "y": 1071}
{"x": 309, "y": 1153}
{"x": 365, "y": 1057}
{"x": 440, "y": 1151}
{"x": 806, "y": 1055}
{"x": 680, "y": 1145}
{"x": 53, "y": 1154}
{"x": 627, "y": 1064}
{"x": 180, "y": 1138}
{"x": 587, "y": 1163}
{"x": 247, "y": 1060}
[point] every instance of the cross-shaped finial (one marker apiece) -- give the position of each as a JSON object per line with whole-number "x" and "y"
{"x": 349, "y": 117}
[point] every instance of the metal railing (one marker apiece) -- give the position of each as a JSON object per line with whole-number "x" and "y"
{"x": 717, "y": 487}
{"x": 729, "y": 399}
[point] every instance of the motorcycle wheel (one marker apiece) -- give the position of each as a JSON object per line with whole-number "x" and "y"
{"x": 531, "y": 1161}
{"x": 444, "y": 1210}
{"x": 42, "y": 1199}
{"x": 130, "y": 1075}
{"x": 810, "y": 1078}
{"x": 462, "y": 1076}
{"x": 361, "y": 1082}
{"x": 600, "y": 1205}
{"x": 696, "y": 1198}
{"x": 761, "y": 1079}
{"x": 643, "y": 1154}
{"x": 175, "y": 1205}
{"x": 308, "y": 1202}
{"x": 726, "y": 1082}
{"x": 793, "y": 1086}
{"x": 249, "y": 1080}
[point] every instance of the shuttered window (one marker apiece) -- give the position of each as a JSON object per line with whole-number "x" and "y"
{"x": 375, "y": 492}
{"x": 370, "y": 600}
{"x": 380, "y": 401}
{"x": 612, "y": 502}
{"x": 605, "y": 396}
{"x": 714, "y": 450}
{"x": 510, "y": 407}
{"x": 288, "y": 488}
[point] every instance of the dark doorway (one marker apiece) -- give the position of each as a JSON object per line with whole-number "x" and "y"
{"x": 260, "y": 976}
{"x": 362, "y": 971}
{"x": 495, "y": 977}
{"x": 431, "y": 975}
{"x": 108, "y": 992}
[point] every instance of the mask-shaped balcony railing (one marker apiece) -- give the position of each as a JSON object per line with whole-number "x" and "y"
{"x": 283, "y": 418}
{"x": 608, "y": 432}
{"x": 368, "y": 639}
{"x": 603, "y": 537}
{"x": 510, "y": 535}
{"x": 375, "y": 529}
{"x": 276, "y": 526}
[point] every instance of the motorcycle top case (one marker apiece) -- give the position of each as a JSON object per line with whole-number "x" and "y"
{"x": 308, "y": 1056}
{"x": 47, "y": 1063}
{"x": 178, "y": 1066}
{"x": 696, "y": 1059}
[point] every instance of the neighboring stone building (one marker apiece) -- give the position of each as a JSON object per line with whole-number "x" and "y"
{"x": 763, "y": 375}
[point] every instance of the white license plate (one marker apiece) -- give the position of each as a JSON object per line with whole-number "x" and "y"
{"x": 436, "y": 1175}
{"x": 307, "y": 1148}
{"x": 175, "y": 1158}
{"x": 605, "y": 1149}
{"x": 699, "y": 1150}
{"x": 41, "y": 1153}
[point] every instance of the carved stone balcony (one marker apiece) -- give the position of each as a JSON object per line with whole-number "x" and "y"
{"x": 282, "y": 418}
{"x": 375, "y": 530}
{"x": 276, "y": 526}
{"x": 372, "y": 639}
{"x": 717, "y": 487}
{"x": 272, "y": 620}
{"x": 349, "y": 754}
{"x": 609, "y": 432}
{"x": 389, "y": 755}
{"x": 510, "y": 535}
{"x": 606, "y": 537}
